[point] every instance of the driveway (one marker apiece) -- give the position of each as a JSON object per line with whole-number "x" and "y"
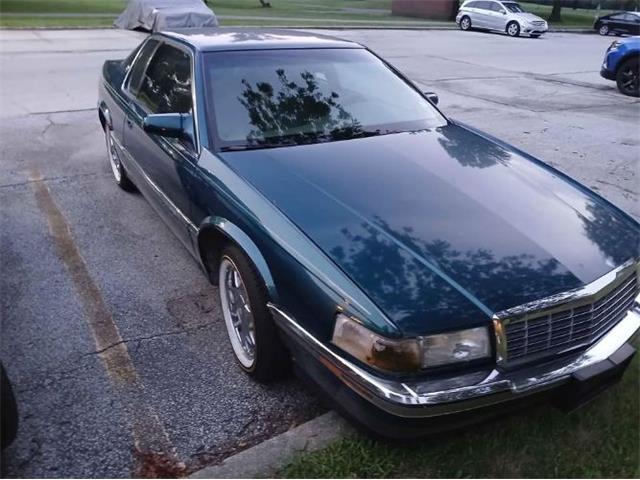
{"x": 111, "y": 334}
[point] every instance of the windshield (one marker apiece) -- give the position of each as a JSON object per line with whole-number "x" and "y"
{"x": 513, "y": 7}
{"x": 267, "y": 98}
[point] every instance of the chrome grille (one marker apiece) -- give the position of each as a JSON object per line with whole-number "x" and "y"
{"x": 537, "y": 23}
{"x": 569, "y": 329}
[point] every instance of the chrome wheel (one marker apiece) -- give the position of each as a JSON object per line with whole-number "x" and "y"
{"x": 114, "y": 160}
{"x": 236, "y": 310}
{"x": 513, "y": 29}
{"x": 604, "y": 30}
{"x": 465, "y": 23}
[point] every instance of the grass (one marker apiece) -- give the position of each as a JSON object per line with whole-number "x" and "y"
{"x": 101, "y": 13}
{"x": 600, "y": 440}
{"x": 25, "y": 13}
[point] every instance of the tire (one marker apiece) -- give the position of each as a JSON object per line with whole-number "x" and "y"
{"x": 252, "y": 331}
{"x": 603, "y": 30}
{"x": 513, "y": 29}
{"x": 117, "y": 169}
{"x": 465, "y": 23}
{"x": 628, "y": 77}
{"x": 8, "y": 413}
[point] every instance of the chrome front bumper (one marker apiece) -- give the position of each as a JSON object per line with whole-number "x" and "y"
{"x": 429, "y": 398}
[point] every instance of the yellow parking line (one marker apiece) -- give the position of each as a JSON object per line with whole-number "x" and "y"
{"x": 148, "y": 432}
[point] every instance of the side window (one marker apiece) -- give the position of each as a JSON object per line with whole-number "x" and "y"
{"x": 619, "y": 16}
{"x": 496, "y": 7}
{"x": 471, "y": 5}
{"x": 140, "y": 65}
{"x": 483, "y": 6}
{"x": 166, "y": 85}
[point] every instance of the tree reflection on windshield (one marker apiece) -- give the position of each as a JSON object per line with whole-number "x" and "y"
{"x": 293, "y": 113}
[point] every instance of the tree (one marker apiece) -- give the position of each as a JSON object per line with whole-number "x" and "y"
{"x": 555, "y": 12}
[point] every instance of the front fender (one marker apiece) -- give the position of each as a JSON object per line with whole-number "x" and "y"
{"x": 235, "y": 234}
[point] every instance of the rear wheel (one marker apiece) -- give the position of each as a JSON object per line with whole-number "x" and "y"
{"x": 250, "y": 326}
{"x": 119, "y": 173}
{"x": 603, "y": 30}
{"x": 465, "y": 23}
{"x": 513, "y": 29}
{"x": 628, "y": 77}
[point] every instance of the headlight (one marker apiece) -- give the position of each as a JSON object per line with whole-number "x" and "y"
{"x": 409, "y": 355}
{"x": 614, "y": 46}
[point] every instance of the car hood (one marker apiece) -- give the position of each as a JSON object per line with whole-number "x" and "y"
{"x": 529, "y": 17}
{"x": 442, "y": 228}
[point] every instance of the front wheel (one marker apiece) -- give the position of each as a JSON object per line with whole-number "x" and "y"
{"x": 250, "y": 326}
{"x": 513, "y": 29}
{"x": 628, "y": 77}
{"x": 465, "y": 23}
{"x": 603, "y": 30}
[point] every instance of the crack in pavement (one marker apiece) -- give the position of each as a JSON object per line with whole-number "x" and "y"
{"x": 150, "y": 337}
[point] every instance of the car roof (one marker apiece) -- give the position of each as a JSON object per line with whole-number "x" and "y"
{"x": 217, "y": 39}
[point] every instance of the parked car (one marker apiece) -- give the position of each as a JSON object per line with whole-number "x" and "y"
{"x": 618, "y": 23}
{"x": 8, "y": 411}
{"x": 622, "y": 64}
{"x": 423, "y": 273}
{"x": 508, "y": 17}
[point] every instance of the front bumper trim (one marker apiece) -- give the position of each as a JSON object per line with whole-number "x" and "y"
{"x": 428, "y": 398}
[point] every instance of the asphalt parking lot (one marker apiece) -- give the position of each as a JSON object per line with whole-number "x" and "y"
{"x": 179, "y": 390}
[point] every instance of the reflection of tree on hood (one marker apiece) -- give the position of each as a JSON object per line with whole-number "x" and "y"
{"x": 372, "y": 259}
{"x": 472, "y": 150}
{"x": 299, "y": 113}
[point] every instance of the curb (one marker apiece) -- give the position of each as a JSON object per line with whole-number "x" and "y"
{"x": 266, "y": 458}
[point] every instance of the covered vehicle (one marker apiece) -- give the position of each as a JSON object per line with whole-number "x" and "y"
{"x": 156, "y": 15}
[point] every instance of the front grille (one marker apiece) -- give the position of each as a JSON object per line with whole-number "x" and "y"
{"x": 575, "y": 327}
{"x": 537, "y": 23}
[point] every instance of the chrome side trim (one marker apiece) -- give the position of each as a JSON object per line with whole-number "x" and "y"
{"x": 166, "y": 200}
{"x": 426, "y": 398}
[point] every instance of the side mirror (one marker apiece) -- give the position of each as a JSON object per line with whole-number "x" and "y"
{"x": 432, "y": 97}
{"x": 165, "y": 124}
{"x": 504, "y": 12}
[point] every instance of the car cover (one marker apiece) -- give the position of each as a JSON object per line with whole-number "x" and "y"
{"x": 156, "y": 15}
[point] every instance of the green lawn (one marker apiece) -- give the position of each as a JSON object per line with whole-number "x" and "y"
{"x": 35, "y": 13}
{"x": 600, "y": 440}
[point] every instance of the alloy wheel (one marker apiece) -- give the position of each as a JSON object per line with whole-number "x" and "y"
{"x": 604, "y": 30}
{"x": 237, "y": 314}
{"x": 513, "y": 29}
{"x": 465, "y": 23}
{"x": 629, "y": 79}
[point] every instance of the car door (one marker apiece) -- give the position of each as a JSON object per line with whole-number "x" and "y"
{"x": 617, "y": 23}
{"x": 164, "y": 165}
{"x": 496, "y": 19}
{"x": 481, "y": 13}
{"x": 633, "y": 23}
